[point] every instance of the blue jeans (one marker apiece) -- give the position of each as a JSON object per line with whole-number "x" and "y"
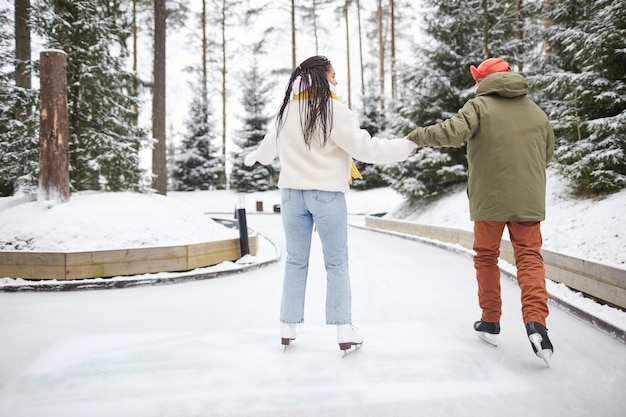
{"x": 300, "y": 210}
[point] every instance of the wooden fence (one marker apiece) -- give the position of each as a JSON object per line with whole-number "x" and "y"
{"x": 111, "y": 263}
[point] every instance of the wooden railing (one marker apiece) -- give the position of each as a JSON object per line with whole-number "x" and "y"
{"x": 121, "y": 262}
{"x": 606, "y": 283}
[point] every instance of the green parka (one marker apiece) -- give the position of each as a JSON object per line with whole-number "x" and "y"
{"x": 509, "y": 144}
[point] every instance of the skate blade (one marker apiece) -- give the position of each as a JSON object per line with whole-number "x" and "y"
{"x": 491, "y": 339}
{"x": 285, "y": 342}
{"x": 543, "y": 354}
{"x": 347, "y": 350}
{"x": 347, "y": 345}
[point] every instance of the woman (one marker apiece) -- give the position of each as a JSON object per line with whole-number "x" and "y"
{"x": 315, "y": 137}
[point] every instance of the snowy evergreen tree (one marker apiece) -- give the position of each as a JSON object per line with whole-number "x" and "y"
{"x": 428, "y": 173}
{"x": 171, "y": 156}
{"x": 256, "y": 90}
{"x": 199, "y": 165}
{"x": 460, "y": 34}
{"x": 434, "y": 90}
{"x": 390, "y": 24}
{"x": 374, "y": 120}
{"x": 19, "y": 119}
{"x": 104, "y": 139}
{"x": 583, "y": 89}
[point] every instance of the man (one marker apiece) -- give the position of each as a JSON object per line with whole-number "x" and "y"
{"x": 509, "y": 144}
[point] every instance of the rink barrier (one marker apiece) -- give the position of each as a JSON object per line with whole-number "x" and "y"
{"x": 122, "y": 262}
{"x": 603, "y": 282}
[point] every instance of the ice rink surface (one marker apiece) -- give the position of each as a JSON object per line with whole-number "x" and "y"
{"x": 212, "y": 347}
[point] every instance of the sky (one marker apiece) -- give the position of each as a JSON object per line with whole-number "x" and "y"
{"x": 211, "y": 347}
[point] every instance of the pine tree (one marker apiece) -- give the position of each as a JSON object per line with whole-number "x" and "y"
{"x": 255, "y": 97}
{"x": 432, "y": 91}
{"x": 583, "y": 89}
{"x": 391, "y": 23}
{"x": 199, "y": 165}
{"x": 104, "y": 139}
{"x": 374, "y": 120}
{"x": 439, "y": 84}
{"x": 19, "y": 118}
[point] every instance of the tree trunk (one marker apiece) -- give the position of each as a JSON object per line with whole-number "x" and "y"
{"x": 345, "y": 12}
{"x": 315, "y": 35}
{"x": 205, "y": 80}
{"x": 381, "y": 54}
{"x": 135, "y": 81}
{"x": 358, "y": 14}
{"x": 393, "y": 51}
{"x": 22, "y": 43}
{"x": 159, "y": 164}
{"x": 224, "y": 79}
{"x": 54, "y": 178}
{"x": 520, "y": 35}
{"x": 204, "y": 46}
{"x": 547, "y": 8}
{"x": 485, "y": 29}
{"x": 293, "y": 34}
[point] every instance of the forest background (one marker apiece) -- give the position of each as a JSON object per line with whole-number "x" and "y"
{"x": 400, "y": 64}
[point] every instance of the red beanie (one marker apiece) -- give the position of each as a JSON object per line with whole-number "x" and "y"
{"x": 489, "y": 66}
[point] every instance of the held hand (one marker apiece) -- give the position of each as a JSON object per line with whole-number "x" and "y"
{"x": 412, "y": 145}
{"x": 250, "y": 159}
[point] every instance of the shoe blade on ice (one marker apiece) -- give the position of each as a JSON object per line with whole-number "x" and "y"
{"x": 491, "y": 339}
{"x": 544, "y": 354}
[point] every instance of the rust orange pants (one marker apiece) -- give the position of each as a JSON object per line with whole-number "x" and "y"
{"x": 531, "y": 277}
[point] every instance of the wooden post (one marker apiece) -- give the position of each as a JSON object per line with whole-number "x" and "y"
{"x": 54, "y": 178}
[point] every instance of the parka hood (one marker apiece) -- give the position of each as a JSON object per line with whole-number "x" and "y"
{"x": 504, "y": 84}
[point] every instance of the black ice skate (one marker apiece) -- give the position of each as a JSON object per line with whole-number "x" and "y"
{"x": 487, "y": 331}
{"x": 539, "y": 340}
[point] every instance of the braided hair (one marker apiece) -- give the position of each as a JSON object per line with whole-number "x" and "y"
{"x": 316, "y": 116}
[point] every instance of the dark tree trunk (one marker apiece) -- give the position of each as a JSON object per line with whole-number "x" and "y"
{"x": 358, "y": 11}
{"x": 293, "y": 34}
{"x": 345, "y": 13}
{"x": 394, "y": 89}
{"x": 381, "y": 53}
{"x": 22, "y": 54}
{"x": 54, "y": 178}
{"x": 159, "y": 165}
{"x": 22, "y": 43}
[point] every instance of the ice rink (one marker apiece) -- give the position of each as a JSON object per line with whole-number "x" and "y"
{"x": 212, "y": 347}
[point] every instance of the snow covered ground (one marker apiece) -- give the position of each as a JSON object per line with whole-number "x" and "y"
{"x": 582, "y": 228}
{"x": 211, "y": 347}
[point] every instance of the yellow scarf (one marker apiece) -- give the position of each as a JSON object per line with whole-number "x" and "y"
{"x": 354, "y": 173}
{"x": 305, "y": 94}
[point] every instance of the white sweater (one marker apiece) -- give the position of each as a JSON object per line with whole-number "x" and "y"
{"x": 326, "y": 167}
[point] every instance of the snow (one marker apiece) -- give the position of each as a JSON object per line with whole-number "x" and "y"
{"x": 93, "y": 221}
{"x": 211, "y": 347}
{"x": 582, "y": 228}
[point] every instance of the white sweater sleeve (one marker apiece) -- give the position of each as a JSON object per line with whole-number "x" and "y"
{"x": 267, "y": 150}
{"x": 360, "y": 145}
